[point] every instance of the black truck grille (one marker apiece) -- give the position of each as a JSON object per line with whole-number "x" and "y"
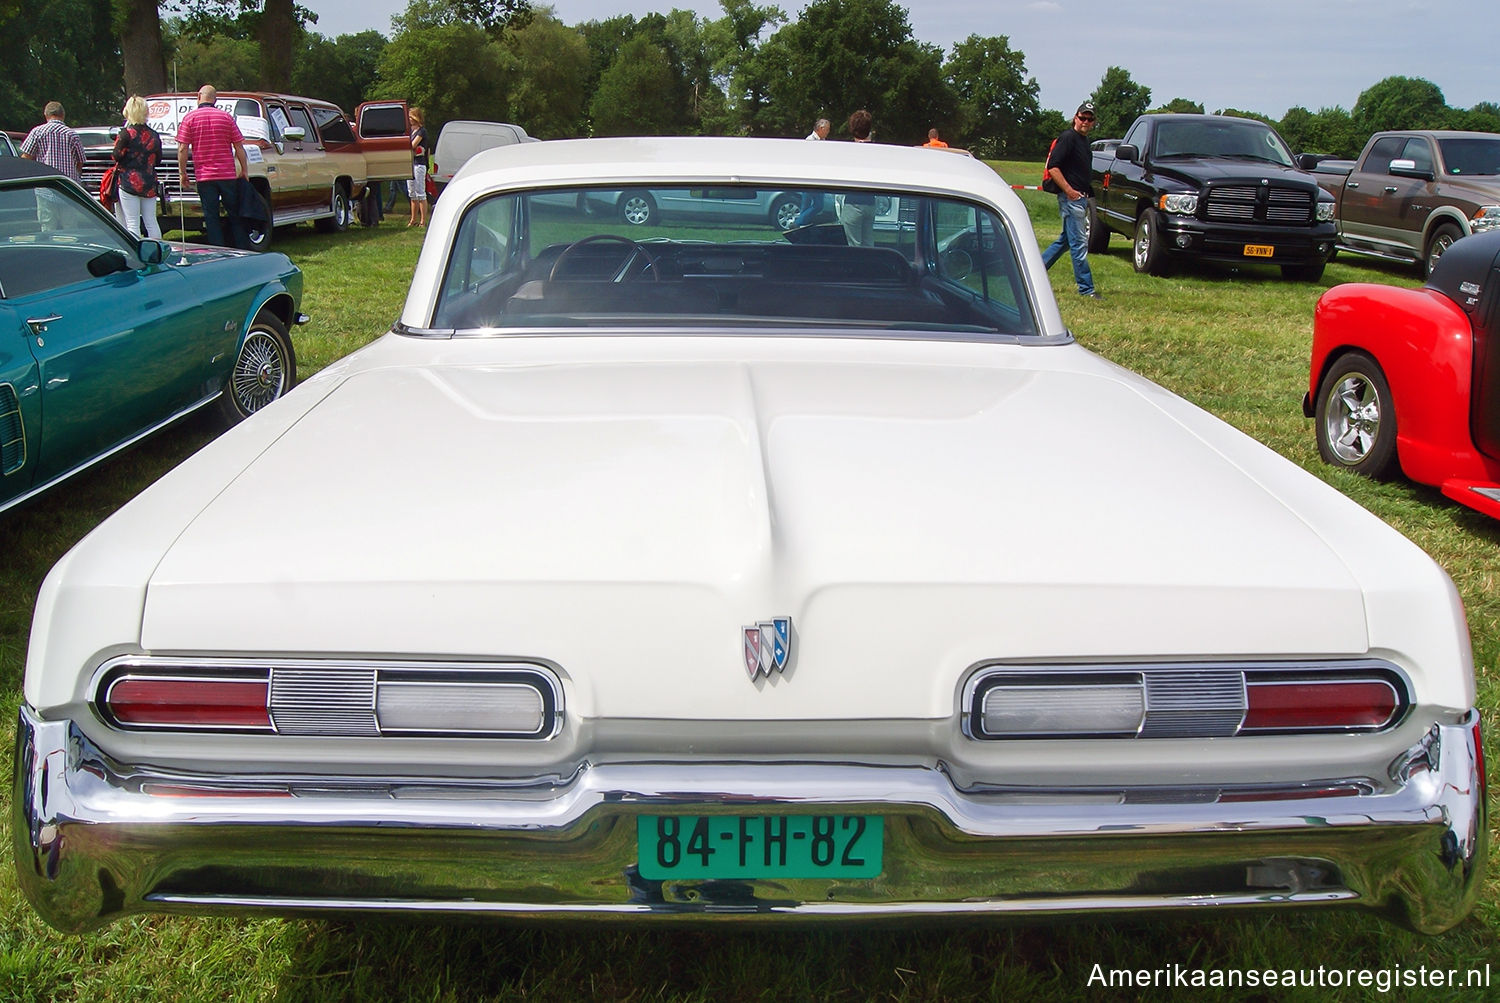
{"x": 1260, "y": 203}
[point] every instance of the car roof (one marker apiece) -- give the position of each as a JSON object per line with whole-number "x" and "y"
{"x": 733, "y": 160}
{"x": 257, "y": 95}
{"x": 14, "y": 168}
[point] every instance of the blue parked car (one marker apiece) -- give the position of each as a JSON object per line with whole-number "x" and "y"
{"x": 108, "y": 337}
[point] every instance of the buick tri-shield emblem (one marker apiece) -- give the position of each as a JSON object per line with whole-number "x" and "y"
{"x": 768, "y": 645}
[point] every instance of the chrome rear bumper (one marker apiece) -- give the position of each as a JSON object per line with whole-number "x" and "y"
{"x": 95, "y": 839}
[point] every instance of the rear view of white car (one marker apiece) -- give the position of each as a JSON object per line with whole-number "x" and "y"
{"x": 697, "y": 568}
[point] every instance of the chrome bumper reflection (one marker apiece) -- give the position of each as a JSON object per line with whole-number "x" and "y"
{"x": 95, "y": 840}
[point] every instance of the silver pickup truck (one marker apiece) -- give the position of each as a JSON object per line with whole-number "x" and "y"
{"x": 1412, "y": 193}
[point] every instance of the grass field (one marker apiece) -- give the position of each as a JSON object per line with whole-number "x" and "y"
{"x": 1233, "y": 341}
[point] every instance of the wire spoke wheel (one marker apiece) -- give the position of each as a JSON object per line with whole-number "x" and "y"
{"x": 264, "y": 370}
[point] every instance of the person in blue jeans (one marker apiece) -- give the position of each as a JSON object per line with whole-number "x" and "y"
{"x": 1068, "y": 177}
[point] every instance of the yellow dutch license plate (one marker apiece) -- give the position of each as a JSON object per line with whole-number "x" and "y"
{"x": 1259, "y": 250}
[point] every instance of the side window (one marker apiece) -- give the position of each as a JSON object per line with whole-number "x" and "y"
{"x": 1382, "y": 153}
{"x": 1417, "y": 151}
{"x": 975, "y": 251}
{"x": 332, "y": 125}
{"x": 279, "y": 122}
{"x": 49, "y": 238}
{"x": 301, "y": 121}
{"x": 482, "y": 258}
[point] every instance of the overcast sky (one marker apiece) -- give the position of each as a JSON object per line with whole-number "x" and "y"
{"x": 1256, "y": 55}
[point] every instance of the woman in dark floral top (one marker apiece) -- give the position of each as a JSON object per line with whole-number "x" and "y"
{"x": 137, "y": 154}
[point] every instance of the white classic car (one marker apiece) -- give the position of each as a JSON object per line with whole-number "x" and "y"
{"x": 695, "y": 568}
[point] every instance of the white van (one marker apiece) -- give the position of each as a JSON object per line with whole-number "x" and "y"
{"x": 459, "y": 140}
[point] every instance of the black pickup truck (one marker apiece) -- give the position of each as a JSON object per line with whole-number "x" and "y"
{"x": 1210, "y": 186}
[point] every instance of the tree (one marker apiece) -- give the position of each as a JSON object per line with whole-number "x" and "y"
{"x": 551, "y": 64}
{"x": 138, "y": 23}
{"x": 841, "y": 55}
{"x": 450, "y": 71}
{"x": 1118, "y": 101}
{"x": 1330, "y": 130}
{"x": 1401, "y": 103}
{"x": 341, "y": 70}
{"x": 636, "y": 93}
{"x": 1049, "y": 125}
{"x": 745, "y": 77}
{"x": 229, "y": 63}
{"x": 996, "y": 99}
{"x": 1483, "y": 117}
{"x": 63, "y": 50}
{"x": 1180, "y": 106}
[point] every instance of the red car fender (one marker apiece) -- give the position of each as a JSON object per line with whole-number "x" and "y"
{"x": 1424, "y": 344}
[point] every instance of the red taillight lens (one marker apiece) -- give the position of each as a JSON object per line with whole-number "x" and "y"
{"x": 168, "y": 702}
{"x": 1303, "y": 705}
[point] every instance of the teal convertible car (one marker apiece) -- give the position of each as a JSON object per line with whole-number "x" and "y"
{"x": 105, "y": 338}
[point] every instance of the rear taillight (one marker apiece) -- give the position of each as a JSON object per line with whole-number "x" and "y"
{"x": 331, "y": 699}
{"x": 1320, "y": 704}
{"x": 188, "y": 702}
{"x": 1182, "y": 701}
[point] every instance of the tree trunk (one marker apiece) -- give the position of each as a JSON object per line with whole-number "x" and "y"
{"x": 140, "y": 45}
{"x": 278, "y": 26}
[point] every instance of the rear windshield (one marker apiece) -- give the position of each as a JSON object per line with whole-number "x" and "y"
{"x": 720, "y": 255}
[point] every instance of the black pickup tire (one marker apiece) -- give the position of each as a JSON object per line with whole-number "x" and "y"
{"x": 1149, "y": 253}
{"x": 1443, "y": 236}
{"x": 1095, "y": 232}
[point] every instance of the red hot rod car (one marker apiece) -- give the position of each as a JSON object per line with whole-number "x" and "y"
{"x": 1412, "y": 376}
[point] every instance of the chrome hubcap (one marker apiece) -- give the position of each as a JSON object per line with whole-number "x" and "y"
{"x": 637, "y": 212}
{"x": 1142, "y": 243}
{"x": 259, "y": 373}
{"x": 1352, "y": 418}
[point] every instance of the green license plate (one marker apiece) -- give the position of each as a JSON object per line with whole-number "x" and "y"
{"x": 759, "y": 846}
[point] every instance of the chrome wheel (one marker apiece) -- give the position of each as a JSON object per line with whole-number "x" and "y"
{"x": 264, "y": 369}
{"x": 1442, "y": 239}
{"x": 1356, "y": 421}
{"x": 1352, "y": 419}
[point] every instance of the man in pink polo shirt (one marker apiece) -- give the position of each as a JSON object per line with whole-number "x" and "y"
{"x": 212, "y": 138}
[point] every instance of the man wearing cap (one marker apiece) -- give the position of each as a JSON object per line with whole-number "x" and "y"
{"x": 1068, "y": 170}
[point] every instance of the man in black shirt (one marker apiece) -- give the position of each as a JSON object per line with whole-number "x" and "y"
{"x": 1068, "y": 170}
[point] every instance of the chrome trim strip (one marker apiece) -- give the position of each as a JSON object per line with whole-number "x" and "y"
{"x": 92, "y": 841}
{"x": 323, "y": 697}
{"x": 1169, "y": 711}
{"x": 101, "y": 457}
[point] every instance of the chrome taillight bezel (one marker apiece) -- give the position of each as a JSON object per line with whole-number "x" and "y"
{"x": 344, "y": 697}
{"x": 1188, "y": 700}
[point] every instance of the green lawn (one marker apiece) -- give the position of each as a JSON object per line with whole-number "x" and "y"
{"x": 1233, "y": 341}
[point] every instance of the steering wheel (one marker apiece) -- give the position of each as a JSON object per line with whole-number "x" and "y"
{"x": 635, "y": 249}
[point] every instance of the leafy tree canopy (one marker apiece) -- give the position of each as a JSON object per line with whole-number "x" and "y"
{"x": 1401, "y": 103}
{"x": 842, "y": 55}
{"x": 1180, "y": 106}
{"x": 1118, "y": 101}
{"x": 636, "y": 94}
{"x": 996, "y": 100}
